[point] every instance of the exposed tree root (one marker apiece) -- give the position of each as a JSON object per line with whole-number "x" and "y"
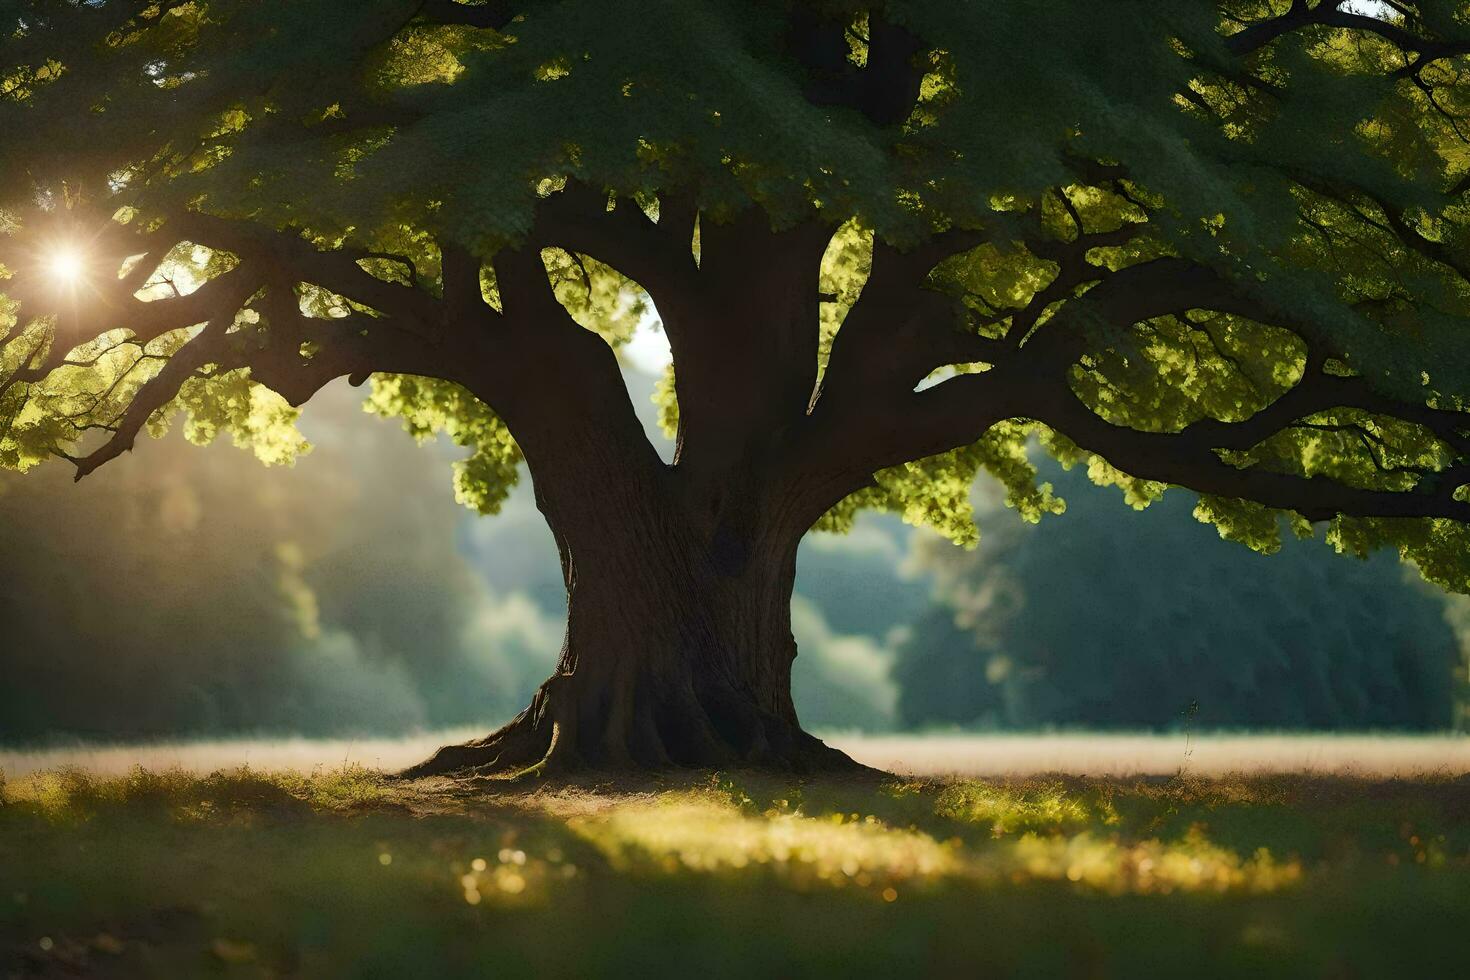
{"x": 625, "y": 728}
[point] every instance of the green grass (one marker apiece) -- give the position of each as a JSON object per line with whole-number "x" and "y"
{"x": 245, "y": 873}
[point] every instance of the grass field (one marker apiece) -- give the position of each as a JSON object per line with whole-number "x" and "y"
{"x": 344, "y": 873}
{"x": 1011, "y": 754}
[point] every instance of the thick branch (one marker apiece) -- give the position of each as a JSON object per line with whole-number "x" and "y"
{"x": 659, "y": 257}
{"x": 1180, "y": 459}
{"x": 158, "y": 391}
{"x": 337, "y": 270}
{"x": 871, "y": 428}
{"x": 146, "y": 320}
{"x": 494, "y": 14}
{"x": 1328, "y": 13}
{"x": 743, "y": 331}
{"x": 1323, "y": 392}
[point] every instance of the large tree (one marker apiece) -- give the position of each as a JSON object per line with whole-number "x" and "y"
{"x": 1219, "y": 245}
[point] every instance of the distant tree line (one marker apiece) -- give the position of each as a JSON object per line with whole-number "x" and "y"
{"x": 1109, "y": 618}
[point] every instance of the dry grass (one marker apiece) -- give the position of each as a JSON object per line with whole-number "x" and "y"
{"x": 1210, "y": 754}
{"x": 1080, "y": 754}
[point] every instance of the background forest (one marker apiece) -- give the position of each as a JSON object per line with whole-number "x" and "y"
{"x": 189, "y": 591}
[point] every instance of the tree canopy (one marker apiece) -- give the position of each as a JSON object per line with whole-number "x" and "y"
{"x": 1220, "y": 245}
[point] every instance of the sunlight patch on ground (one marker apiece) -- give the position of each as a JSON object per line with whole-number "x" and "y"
{"x": 717, "y": 831}
{"x": 1007, "y": 810}
{"x": 1190, "y": 864}
{"x": 708, "y": 832}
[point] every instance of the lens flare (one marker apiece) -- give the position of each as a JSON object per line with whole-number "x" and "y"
{"x": 66, "y": 266}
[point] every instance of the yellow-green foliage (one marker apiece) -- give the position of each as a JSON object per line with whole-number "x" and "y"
{"x": 1311, "y": 175}
{"x": 101, "y": 376}
{"x": 845, "y": 268}
{"x": 666, "y": 397}
{"x": 427, "y": 407}
{"x": 1177, "y": 370}
{"x": 596, "y": 295}
{"x": 1437, "y": 547}
{"x": 255, "y": 417}
{"x": 935, "y": 492}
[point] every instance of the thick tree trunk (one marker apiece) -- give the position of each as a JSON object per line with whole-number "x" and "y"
{"x": 678, "y": 649}
{"x": 676, "y": 654}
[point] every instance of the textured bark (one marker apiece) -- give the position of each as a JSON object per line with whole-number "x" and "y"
{"x": 678, "y": 649}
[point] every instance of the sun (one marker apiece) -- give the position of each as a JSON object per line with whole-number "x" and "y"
{"x": 66, "y": 266}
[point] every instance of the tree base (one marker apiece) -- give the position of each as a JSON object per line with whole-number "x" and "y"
{"x": 553, "y": 737}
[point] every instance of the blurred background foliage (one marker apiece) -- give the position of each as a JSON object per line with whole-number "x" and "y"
{"x": 1147, "y": 619}
{"x": 189, "y": 591}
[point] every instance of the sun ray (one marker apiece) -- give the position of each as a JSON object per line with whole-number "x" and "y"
{"x": 66, "y": 266}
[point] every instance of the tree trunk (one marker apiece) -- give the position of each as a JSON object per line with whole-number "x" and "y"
{"x": 678, "y": 649}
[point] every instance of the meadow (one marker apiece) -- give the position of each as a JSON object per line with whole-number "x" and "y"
{"x": 934, "y": 754}
{"x": 340, "y": 871}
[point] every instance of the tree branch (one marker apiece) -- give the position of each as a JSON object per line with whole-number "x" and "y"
{"x": 658, "y": 257}
{"x": 1181, "y": 459}
{"x": 337, "y": 270}
{"x": 493, "y": 15}
{"x": 868, "y": 427}
{"x": 159, "y": 390}
{"x": 1328, "y": 13}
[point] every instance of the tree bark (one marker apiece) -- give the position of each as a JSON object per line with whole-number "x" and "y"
{"x": 678, "y": 649}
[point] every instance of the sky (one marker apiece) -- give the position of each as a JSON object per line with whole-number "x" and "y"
{"x": 648, "y": 351}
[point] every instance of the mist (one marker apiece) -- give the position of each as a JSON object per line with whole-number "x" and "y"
{"x": 190, "y": 592}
